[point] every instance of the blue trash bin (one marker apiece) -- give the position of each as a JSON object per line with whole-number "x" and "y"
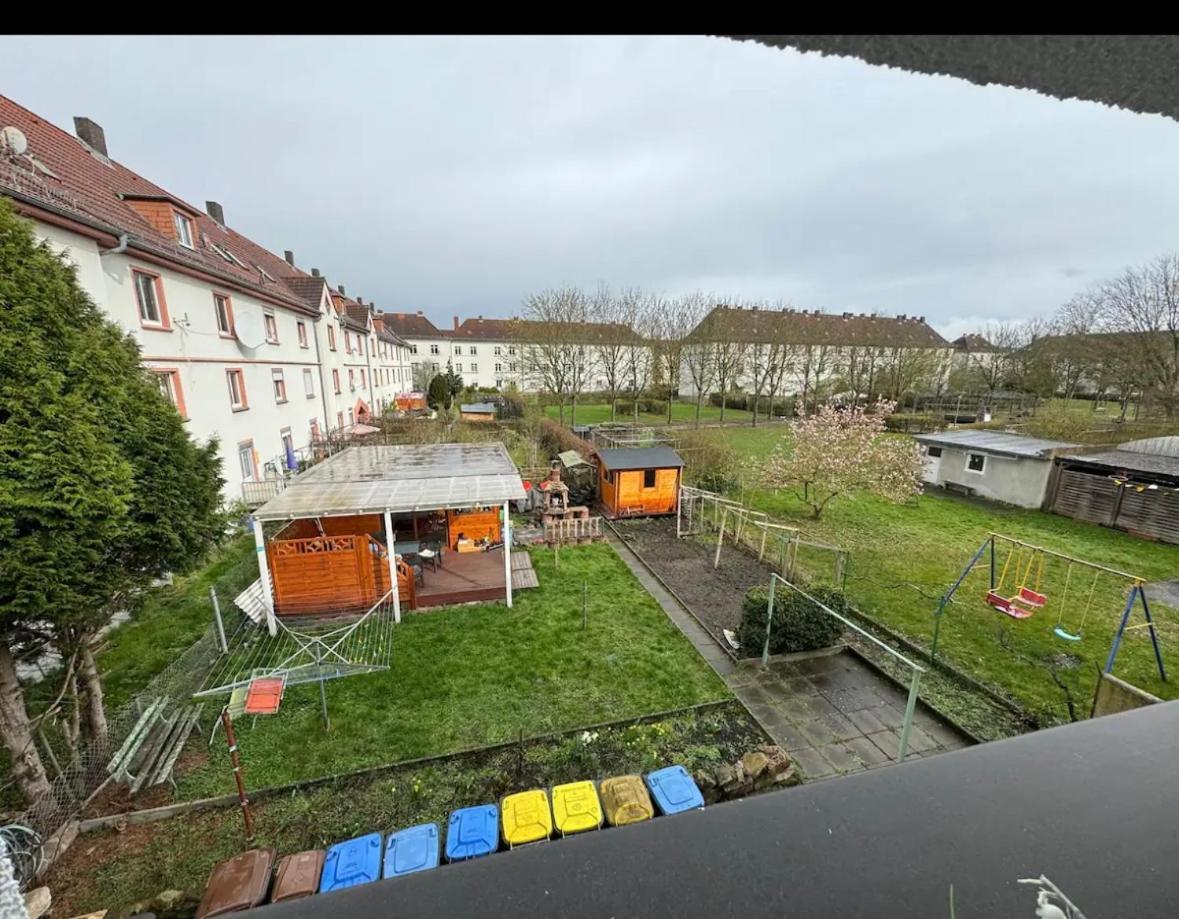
{"x": 410, "y": 850}
{"x": 348, "y": 864}
{"x": 472, "y": 832}
{"x": 673, "y": 790}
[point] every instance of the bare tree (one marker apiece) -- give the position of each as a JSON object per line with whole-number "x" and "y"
{"x": 549, "y": 356}
{"x": 699, "y": 357}
{"x": 673, "y": 322}
{"x": 642, "y": 312}
{"x": 618, "y": 338}
{"x": 1141, "y": 308}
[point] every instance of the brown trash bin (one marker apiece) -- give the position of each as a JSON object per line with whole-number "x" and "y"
{"x": 240, "y": 883}
{"x": 625, "y": 800}
{"x": 297, "y": 875}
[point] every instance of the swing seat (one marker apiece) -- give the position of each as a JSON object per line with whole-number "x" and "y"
{"x": 1032, "y": 597}
{"x": 997, "y": 600}
{"x": 1007, "y": 605}
{"x": 1067, "y": 636}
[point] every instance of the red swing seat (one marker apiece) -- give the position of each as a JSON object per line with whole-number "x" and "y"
{"x": 1007, "y": 605}
{"x": 1032, "y": 597}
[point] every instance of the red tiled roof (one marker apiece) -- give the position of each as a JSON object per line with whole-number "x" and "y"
{"x": 973, "y": 342}
{"x": 413, "y": 325}
{"x": 816, "y": 328}
{"x": 60, "y": 174}
{"x": 384, "y": 332}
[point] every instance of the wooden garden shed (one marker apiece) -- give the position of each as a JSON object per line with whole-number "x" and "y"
{"x": 639, "y": 482}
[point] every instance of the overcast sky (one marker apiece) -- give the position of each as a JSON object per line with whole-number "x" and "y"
{"x": 457, "y": 175}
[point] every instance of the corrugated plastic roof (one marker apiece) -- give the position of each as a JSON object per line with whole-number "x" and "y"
{"x": 368, "y": 480}
{"x": 995, "y": 442}
{"x": 479, "y": 408}
{"x": 1130, "y": 461}
{"x": 620, "y": 458}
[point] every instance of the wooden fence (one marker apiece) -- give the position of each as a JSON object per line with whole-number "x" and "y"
{"x": 572, "y": 529}
{"x": 330, "y": 574}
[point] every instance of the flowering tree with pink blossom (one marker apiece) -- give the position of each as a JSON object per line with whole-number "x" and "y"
{"x": 834, "y": 452}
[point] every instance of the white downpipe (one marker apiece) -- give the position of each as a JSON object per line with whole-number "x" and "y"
{"x": 508, "y": 553}
{"x": 264, "y": 577}
{"x": 396, "y": 588}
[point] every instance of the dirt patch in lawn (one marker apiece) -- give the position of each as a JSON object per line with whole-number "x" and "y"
{"x": 714, "y": 595}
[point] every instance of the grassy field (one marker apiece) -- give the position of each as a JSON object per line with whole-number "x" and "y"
{"x": 481, "y": 674}
{"x": 681, "y": 413}
{"x": 904, "y": 556}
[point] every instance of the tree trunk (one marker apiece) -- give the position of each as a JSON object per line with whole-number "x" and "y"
{"x": 27, "y": 768}
{"x": 573, "y": 410}
{"x": 613, "y": 405}
{"x": 561, "y": 409}
{"x": 88, "y": 675}
{"x": 699, "y": 406}
{"x": 756, "y": 396}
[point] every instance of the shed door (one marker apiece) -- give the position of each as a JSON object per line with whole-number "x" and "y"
{"x": 630, "y": 488}
{"x": 933, "y": 463}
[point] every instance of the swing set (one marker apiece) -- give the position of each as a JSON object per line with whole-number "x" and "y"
{"x": 1026, "y": 593}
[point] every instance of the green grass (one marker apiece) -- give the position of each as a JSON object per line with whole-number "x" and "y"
{"x": 681, "y": 413}
{"x": 118, "y": 868}
{"x": 904, "y": 556}
{"x": 475, "y": 675}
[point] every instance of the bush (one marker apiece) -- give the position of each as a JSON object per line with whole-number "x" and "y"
{"x": 556, "y": 439}
{"x": 798, "y": 624}
{"x": 711, "y": 464}
{"x": 650, "y": 406}
{"x": 744, "y": 402}
{"x": 513, "y": 405}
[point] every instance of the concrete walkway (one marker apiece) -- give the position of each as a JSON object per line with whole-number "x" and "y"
{"x": 833, "y": 713}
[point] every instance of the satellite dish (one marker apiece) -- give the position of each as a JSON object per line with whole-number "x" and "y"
{"x": 250, "y": 330}
{"x": 13, "y": 141}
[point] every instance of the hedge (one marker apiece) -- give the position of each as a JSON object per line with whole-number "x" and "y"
{"x": 798, "y": 624}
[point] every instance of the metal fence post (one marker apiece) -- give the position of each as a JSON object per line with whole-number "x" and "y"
{"x": 765, "y": 651}
{"x": 910, "y": 707}
{"x": 217, "y": 621}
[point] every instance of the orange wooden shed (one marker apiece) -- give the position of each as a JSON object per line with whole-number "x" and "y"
{"x": 639, "y": 482}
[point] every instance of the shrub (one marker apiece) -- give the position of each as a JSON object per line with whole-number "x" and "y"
{"x": 513, "y": 405}
{"x": 798, "y": 624}
{"x": 744, "y": 402}
{"x": 556, "y": 439}
{"x": 711, "y": 464}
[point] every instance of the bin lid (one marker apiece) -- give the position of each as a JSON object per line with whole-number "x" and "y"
{"x": 472, "y": 831}
{"x": 576, "y": 807}
{"x": 238, "y": 883}
{"x": 297, "y": 875}
{"x": 348, "y": 864}
{"x": 625, "y": 800}
{"x": 410, "y": 850}
{"x": 526, "y": 817}
{"x": 674, "y": 790}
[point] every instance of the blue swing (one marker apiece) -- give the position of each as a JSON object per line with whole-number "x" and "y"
{"x": 1060, "y": 631}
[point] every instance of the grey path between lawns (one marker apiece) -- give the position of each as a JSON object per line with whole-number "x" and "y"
{"x": 834, "y": 714}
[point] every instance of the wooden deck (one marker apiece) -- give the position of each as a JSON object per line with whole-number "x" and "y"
{"x": 470, "y": 577}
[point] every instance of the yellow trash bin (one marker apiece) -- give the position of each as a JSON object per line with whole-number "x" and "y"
{"x": 576, "y": 808}
{"x": 526, "y": 817}
{"x": 625, "y": 800}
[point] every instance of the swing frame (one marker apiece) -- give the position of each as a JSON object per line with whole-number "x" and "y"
{"x": 1136, "y": 594}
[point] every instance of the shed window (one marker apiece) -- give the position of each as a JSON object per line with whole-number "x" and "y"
{"x": 933, "y": 451}
{"x": 976, "y": 462}
{"x": 648, "y": 478}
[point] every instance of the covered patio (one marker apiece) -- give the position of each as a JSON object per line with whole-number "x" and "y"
{"x": 422, "y": 525}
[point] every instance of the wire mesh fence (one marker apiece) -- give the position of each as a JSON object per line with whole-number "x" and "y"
{"x": 42, "y": 828}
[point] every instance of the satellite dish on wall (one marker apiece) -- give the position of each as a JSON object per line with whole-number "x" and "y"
{"x": 13, "y": 141}
{"x": 250, "y": 330}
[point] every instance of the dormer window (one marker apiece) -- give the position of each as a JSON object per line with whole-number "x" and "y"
{"x": 184, "y": 231}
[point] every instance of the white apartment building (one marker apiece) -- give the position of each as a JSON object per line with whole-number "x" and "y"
{"x": 240, "y": 339}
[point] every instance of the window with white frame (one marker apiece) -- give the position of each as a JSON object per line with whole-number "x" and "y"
{"x": 169, "y": 383}
{"x": 352, "y": 379}
{"x": 308, "y": 383}
{"x": 183, "y": 229}
{"x": 499, "y": 368}
{"x": 271, "y": 328}
{"x": 511, "y": 349}
{"x": 245, "y": 460}
{"x": 498, "y": 350}
{"x": 976, "y": 462}
{"x": 474, "y": 368}
{"x": 223, "y": 310}
{"x": 472, "y": 350}
{"x": 433, "y": 349}
{"x": 279, "y": 384}
{"x": 458, "y": 349}
{"x": 301, "y": 327}
{"x": 458, "y": 368}
{"x": 147, "y": 296}
{"x": 237, "y": 389}
{"x": 413, "y": 349}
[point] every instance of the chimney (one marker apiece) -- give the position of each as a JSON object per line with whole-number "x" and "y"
{"x": 420, "y": 313}
{"x": 920, "y": 318}
{"x": 315, "y": 272}
{"x": 289, "y": 256}
{"x": 91, "y": 134}
{"x": 340, "y": 288}
{"x": 359, "y": 300}
{"x": 214, "y": 210}
{"x": 456, "y": 323}
{"x": 480, "y": 317}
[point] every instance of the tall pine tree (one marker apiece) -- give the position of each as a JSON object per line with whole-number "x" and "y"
{"x": 101, "y": 488}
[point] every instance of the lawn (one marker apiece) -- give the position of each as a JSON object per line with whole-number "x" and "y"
{"x": 681, "y": 413}
{"x": 481, "y": 674}
{"x": 904, "y": 556}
